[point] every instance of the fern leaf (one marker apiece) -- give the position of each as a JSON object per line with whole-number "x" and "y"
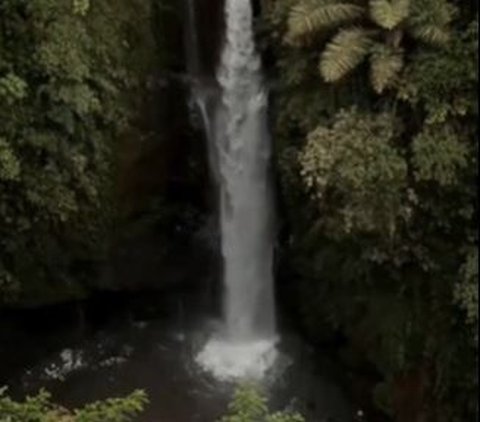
{"x": 431, "y": 34}
{"x": 385, "y": 64}
{"x": 344, "y": 52}
{"x": 389, "y": 13}
{"x": 311, "y": 17}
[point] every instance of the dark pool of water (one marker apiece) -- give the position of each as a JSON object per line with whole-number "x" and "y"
{"x": 117, "y": 343}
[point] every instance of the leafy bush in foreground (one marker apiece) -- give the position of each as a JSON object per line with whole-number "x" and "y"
{"x": 39, "y": 408}
{"x": 249, "y": 405}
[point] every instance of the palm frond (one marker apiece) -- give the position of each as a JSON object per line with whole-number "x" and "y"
{"x": 431, "y": 34}
{"x": 311, "y": 17}
{"x": 389, "y": 13}
{"x": 385, "y": 65}
{"x": 344, "y": 52}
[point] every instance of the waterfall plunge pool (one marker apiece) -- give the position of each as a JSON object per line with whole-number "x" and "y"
{"x": 116, "y": 343}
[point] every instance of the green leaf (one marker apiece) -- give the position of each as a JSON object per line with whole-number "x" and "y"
{"x": 385, "y": 65}
{"x": 431, "y": 34}
{"x": 344, "y": 52}
{"x": 389, "y": 14}
{"x": 430, "y": 20}
{"x": 310, "y": 17}
{"x": 9, "y": 163}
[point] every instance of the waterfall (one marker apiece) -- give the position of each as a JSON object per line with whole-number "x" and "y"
{"x": 243, "y": 147}
{"x": 239, "y": 141}
{"x": 204, "y": 93}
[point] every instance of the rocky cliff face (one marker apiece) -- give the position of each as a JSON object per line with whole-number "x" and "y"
{"x": 167, "y": 231}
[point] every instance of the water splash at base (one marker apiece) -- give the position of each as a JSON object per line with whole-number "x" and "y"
{"x": 228, "y": 361}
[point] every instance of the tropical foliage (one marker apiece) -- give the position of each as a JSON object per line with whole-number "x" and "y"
{"x": 380, "y": 191}
{"x": 39, "y": 408}
{"x": 377, "y": 30}
{"x": 250, "y": 405}
{"x": 70, "y": 75}
{"x": 374, "y": 110}
{"x": 247, "y": 405}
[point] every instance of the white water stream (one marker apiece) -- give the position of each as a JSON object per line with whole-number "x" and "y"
{"x": 239, "y": 141}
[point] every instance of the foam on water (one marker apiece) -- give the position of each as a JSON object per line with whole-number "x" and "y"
{"x": 229, "y": 361}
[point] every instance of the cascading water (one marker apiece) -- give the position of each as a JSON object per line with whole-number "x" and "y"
{"x": 243, "y": 144}
{"x": 240, "y": 144}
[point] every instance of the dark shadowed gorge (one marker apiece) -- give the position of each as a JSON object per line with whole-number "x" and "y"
{"x": 238, "y": 211}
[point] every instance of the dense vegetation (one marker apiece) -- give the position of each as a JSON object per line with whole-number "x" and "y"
{"x": 247, "y": 405}
{"x": 71, "y": 78}
{"x": 376, "y": 142}
{"x": 374, "y": 105}
{"x": 40, "y": 409}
